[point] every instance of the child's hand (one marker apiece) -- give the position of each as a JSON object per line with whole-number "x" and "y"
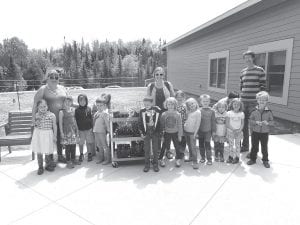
{"x": 195, "y": 135}
{"x": 259, "y": 123}
{"x": 142, "y": 136}
{"x": 265, "y": 122}
{"x": 54, "y": 138}
{"x": 62, "y": 135}
{"x": 179, "y": 138}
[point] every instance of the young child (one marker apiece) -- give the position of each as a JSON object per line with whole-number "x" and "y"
{"x": 44, "y": 136}
{"x": 150, "y": 131}
{"x": 69, "y": 131}
{"x": 171, "y": 126}
{"x": 260, "y": 121}
{"x": 84, "y": 119}
{"x": 220, "y": 135}
{"x": 207, "y": 129}
{"x": 181, "y": 108}
{"x": 235, "y": 123}
{"x": 101, "y": 129}
{"x": 191, "y": 127}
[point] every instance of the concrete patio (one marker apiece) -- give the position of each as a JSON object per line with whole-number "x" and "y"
{"x": 93, "y": 194}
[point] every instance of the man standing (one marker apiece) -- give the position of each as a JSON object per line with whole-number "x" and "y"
{"x": 253, "y": 80}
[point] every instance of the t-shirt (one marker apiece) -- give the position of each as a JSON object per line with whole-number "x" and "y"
{"x": 235, "y": 119}
{"x": 171, "y": 122}
{"x": 220, "y": 120}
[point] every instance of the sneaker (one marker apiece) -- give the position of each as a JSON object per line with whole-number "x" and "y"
{"x": 178, "y": 163}
{"x": 61, "y": 159}
{"x": 169, "y": 154}
{"x": 217, "y": 159}
{"x": 81, "y": 158}
{"x": 195, "y": 165}
{"x": 244, "y": 149}
{"x": 266, "y": 164}
{"x": 155, "y": 168}
{"x": 90, "y": 157}
{"x": 40, "y": 171}
{"x": 229, "y": 160}
{"x": 105, "y": 162}
{"x": 70, "y": 165}
{"x": 250, "y": 162}
{"x": 202, "y": 160}
{"x": 248, "y": 156}
{"x": 147, "y": 168}
{"x": 49, "y": 168}
{"x": 209, "y": 162}
{"x": 235, "y": 160}
{"x": 162, "y": 163}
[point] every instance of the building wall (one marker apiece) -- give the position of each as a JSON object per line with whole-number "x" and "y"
{"x": 188, "y": 62}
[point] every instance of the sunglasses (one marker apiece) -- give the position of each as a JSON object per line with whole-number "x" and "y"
{"x": 159, "y": 74}
{"x": 54, "y": 77}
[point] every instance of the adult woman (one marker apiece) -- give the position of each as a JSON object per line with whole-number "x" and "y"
{"x": 160, "y": 89}
{"x": 54, "y": 94}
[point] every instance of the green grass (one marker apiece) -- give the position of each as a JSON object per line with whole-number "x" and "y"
{"x": 122, "y": 99}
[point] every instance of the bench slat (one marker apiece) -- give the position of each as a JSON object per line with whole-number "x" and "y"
{"x": 12, "y": 140}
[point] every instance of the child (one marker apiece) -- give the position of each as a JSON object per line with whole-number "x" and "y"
{"x": 150, "y": 131}
{"x": 171, "y": 125}
{"x": 69, "y": 131}
{"x": 181, "y": 108}
{"x": 260, "y": 121}
{"x": 207, "y": 129}
{"x": 235, "y": 123}
{"x": 220, "y": 135}
{"x": 44, "y": 136}
{"x": 191, "y": 127}
{"x": 84, "y": 119}
{"x": 101, "y": 129}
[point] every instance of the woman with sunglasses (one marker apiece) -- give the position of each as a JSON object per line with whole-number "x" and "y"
{"x": 54, "y": 94}
{"x": 160, "y": 90}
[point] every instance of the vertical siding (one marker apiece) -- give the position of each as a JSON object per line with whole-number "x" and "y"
{"x": 188, "y": 62}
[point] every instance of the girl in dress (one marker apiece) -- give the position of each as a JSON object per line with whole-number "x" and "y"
{"x": 69, "y": 131}
{"x": 44, "y": 136}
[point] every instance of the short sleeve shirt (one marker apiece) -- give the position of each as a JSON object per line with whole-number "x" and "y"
{"x": 235, "y": 119}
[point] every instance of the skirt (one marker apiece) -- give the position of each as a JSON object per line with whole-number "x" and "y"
{"x": 42, "y": 141}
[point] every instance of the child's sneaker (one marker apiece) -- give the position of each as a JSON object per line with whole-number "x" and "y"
{"x": 202, "y": 160}
{"x": 209, "y": 162}
{"x": 248, "y": 156}
{"x": 250, "y": 162}
{"x": 155, "y": 168}
{"x": 178, "y": 163}
{"x": 169, "y": 154}
{"x": 147, "y": 168}
{"x": 195, "y": 165}
{"x": 90, "y": 157}
{"x": 162, "y": 163}
{"x": 40, "y": 171}
{"x": 235, "y": 160}
{"x": 229, "y": 160}
{"x": 81, "y": 158}
{"x": 266, "y": 164}
{"x": 217, "y": 159}
{"x": 70, "y": 165}
{"x": 222, "y": 159}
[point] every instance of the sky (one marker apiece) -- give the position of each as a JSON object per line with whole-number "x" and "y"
{"x": 44, "y": 23}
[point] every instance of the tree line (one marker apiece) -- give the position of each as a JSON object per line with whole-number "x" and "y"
{"x": 90, "y": 65}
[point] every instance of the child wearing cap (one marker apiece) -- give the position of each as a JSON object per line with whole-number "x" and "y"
{"x": 101, "y": 129}
{"x": 150, "y": 131}
{"x": 69, "y": 131}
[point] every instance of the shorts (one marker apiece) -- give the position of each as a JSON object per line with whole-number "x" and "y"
{"x": 86, "y": 136}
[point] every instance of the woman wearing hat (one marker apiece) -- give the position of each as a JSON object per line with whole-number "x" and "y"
{"x": 54, "y": 94}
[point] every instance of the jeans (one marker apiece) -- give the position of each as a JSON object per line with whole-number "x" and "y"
{"x": 153, "y": 138}
{"x": 204, "y": 145}
{"x": 248, "y": 108}
{"x": 234, "y": 140}
{"x": 263, "y": 138}
{"x": 70, "y": 152}
{"x": 219, "y": 149}
{"x": 191, "y": 142}
{"x": 167, "y": 140}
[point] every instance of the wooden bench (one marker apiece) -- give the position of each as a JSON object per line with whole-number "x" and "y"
{"x": 18, "y": 130}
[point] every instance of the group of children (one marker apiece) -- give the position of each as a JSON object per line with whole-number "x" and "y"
{"x": 77, "y": 125}
{"x": 184, "y": 122}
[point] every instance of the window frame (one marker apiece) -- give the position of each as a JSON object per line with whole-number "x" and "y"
{"x": 218, "y": 55}
{"x": 281, "y": 45}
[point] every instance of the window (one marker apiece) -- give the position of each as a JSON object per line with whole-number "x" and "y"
{"x": 275, "y": 58}
{"x": 218, "y": 71}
